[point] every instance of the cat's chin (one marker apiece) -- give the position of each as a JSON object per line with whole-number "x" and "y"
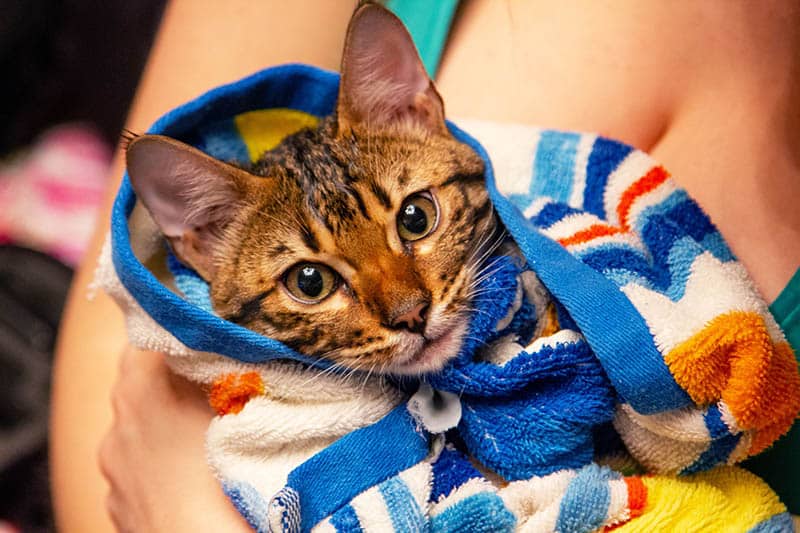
{"x": 430, "y": 355}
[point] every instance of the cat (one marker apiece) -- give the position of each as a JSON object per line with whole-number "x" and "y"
{"x": 360, "y": 240}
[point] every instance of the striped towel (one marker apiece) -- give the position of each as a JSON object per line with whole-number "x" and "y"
{"x": 675, "y": 346}
{"x": 704, "y": 373}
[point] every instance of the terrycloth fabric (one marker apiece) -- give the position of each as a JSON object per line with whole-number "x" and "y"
{"x": 710, "y": 377}
{"x": 509, "y": 378}
{"x": 642, "y": 295}
{"x": 726, "y": 499}
{"x": 272, "y": 416}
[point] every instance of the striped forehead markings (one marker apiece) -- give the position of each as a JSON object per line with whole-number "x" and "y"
{"x": 381, "y": 194}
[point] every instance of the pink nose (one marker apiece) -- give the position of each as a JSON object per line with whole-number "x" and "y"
{"x": 413, "y": 319}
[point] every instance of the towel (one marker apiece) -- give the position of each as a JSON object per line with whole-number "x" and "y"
{"x": 704, "y": 373}
{"x": 640, "y": 316}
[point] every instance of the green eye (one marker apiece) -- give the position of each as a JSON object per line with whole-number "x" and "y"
{"x": 310, "y": 282}
{"x": 417, "y": 217}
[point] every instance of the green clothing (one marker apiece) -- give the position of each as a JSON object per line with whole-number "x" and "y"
{"x": 428, "y": 23}
{"x": 780, "y": 465}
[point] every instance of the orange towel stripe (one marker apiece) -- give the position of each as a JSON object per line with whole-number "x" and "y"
{"x": 637, "y": 495}
{"x": 592, "y": 232}
{"x": 655, "y": 177}
{"x": 734, "y": 359}
{"x": 637, "y": 499}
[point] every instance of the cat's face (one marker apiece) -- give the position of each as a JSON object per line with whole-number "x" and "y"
{"x": 360, "y": 249}
{"x": 359, "y": 241}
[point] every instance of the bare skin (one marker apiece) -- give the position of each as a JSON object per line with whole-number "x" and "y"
{"x": 711, "y": 89}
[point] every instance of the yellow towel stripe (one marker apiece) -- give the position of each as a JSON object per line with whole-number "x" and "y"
{"x": 726, "y": 499}
{"x": 262, "y": 130}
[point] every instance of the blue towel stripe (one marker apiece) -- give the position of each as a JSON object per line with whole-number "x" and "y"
{"x": 717, "y": 453}
{"x": 605, "y": 157}
{"x": 553, "y": 166}
{"x": 717, "y": 428}
{"x": 585, "y": 503}
{"x": 552, "y": 213}
{"x": 222, "y": 140}
{"x": 484, "y": 512}
{"x": 345, "y": 520}
{"x": 451, "y": 470}
{"x": 403, "y": 509}
{"x": 628, "y": 351}
{"x": 194, "y": 288}
{"x": 249, "y": 503}
{"x": 780, "y": 523}
{"x": 355, "y": 462}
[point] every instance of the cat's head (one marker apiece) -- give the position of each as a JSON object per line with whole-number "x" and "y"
{"x": 358, "y": 241}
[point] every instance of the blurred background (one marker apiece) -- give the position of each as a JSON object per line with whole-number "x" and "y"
{"x": 70, "y": 69}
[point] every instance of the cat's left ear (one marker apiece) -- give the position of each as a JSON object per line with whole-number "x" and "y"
{"x": 383, "y": 79}
{"x": 191, "y": 196}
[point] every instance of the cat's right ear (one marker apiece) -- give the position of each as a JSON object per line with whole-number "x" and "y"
{"x": 384, "y": 82}
{"x": 191, "y": 196}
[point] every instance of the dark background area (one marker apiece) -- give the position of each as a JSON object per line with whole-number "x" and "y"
{"x": 61, "y": 61}
{"x": 70, "y": 60}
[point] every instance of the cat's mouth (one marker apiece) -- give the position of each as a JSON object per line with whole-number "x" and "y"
{"x": 429, "y": 354}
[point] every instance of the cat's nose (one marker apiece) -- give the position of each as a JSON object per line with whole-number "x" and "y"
{"x": 413, "y": 319}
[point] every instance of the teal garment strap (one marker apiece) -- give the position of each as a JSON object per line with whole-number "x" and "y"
{"x": 428, "y": 22}
{"x": 786, "y": 310}
{"x": 780, "y": 465}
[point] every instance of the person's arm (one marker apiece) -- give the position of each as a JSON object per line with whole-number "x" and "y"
{"x": 646, "y": 73}
{"x": 201, "y": 44}
{"x": 153, "y": 455}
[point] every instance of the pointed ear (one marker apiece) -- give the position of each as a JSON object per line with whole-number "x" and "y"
{"x": 191, "y": 196}
{"x": 383, "y": 79}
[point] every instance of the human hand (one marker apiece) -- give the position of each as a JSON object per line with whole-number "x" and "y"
{"x": 153, "y": 456}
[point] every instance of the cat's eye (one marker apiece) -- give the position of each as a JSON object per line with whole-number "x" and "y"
{"x": 417, "y": 217}
{"x": 310, "y": 282}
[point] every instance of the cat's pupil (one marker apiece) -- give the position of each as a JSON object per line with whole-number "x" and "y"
{"x": 414, "y": 219}
{"x": 309, "y": 280}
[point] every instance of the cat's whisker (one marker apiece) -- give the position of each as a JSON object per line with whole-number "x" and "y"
{"x": 366, "y": 378}
{"x": 321, "y": 374}
{"x": 481, "y": 342}
{"x": 472, "y": 288}
{"x": 484, "y": 276}
{"x": 480, "y": 273}
{"x": 477, "y": 249}
{"x": 498, "y": 236}
{"x": 485, "y": 290}
{"x": 324, "y": 372}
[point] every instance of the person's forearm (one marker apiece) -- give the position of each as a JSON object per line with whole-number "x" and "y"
{"x": 201, "y": 44}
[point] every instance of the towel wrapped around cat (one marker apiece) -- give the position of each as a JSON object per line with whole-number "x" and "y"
{"x": 622, "y": 333}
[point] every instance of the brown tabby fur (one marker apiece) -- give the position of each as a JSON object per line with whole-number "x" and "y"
{"x": 334, "y": 201}
{"x": 331, "y": 195}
